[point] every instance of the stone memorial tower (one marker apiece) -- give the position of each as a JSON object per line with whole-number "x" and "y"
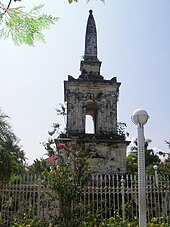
{"x": 91, "y": 94}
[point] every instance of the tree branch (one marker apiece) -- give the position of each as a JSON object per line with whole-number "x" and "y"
{"x": 8, "y": 6}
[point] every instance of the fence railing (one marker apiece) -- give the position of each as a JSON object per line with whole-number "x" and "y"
{"x": 114, "y": 194}
{"x": 109, "y": 194}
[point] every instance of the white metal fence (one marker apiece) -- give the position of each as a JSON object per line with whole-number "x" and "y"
{"x": 110, "y": 194}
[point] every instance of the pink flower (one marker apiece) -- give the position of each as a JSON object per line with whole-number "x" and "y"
{"x": 78, "y": 152}
{"x": 73, "y": 144}
{"x": 169, "y": 170}
{"x": 164, "y": 163}
{"x": 61, "y": 145}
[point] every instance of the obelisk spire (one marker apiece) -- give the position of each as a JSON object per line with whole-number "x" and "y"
{"x": 90, "y": 66}
{"x": 91, "y": 38}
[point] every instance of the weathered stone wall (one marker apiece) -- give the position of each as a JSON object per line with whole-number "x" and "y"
{"x": 110, "y": 158}
{"x": 97, "y": 98}
{"x": 104, "y": 94}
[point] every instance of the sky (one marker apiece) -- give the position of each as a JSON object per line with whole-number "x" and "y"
{"x": 133, "y": 45}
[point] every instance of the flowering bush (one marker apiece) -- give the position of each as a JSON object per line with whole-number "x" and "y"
{"x": 61, "y": 145}
{"x": 164, "y": 168}
{"x": 67, "y": 179}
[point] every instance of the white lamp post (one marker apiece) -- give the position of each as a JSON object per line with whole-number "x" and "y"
{"x": 155, "y": 167}
{"x": 140, "y": 117}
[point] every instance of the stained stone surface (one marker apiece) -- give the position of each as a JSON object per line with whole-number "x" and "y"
{"x": 91, "y": 38}
{"x": 91, "y": 94}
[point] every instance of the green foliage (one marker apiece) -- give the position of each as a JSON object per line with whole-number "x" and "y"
{"x": 70, "y": 1}
{"x": 28, "y": 222}
{"x": 24, "y": 27}
{"x": 151, "y": 158}
{"x": 117, "y": 221}
{"x": 89, "y": 220}
{"x": 164, "y": 168}
{"x": 68, "y": 178}
{"x": 12, "y": 156}
{"x": 62, "y": 110}
{"x": 69, "y": 175}
{"x": 157, "y": 222}
{"x": 5, "y": 166}
{"x": 168, "y": 142}
{"x": 5, "y": 128}
{"x": 132, "y": 165}
{"x": 39, "y": 166}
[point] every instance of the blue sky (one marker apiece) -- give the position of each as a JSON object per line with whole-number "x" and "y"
{"x": 133, "y": 44}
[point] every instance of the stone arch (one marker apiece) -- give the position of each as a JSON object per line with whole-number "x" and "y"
{"x": 91, "y": 110}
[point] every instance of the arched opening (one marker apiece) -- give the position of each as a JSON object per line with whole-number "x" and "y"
{"x": 91, "y": 117}
{"x": 89, "y": 129}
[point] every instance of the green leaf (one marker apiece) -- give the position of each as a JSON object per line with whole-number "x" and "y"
{"x": 26, "y": 28}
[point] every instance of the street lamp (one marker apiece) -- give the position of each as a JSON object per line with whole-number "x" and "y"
{"x": 140, "y": 118}
{"x": 155, "y": 167}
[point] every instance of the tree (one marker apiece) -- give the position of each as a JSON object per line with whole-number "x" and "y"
{"x": 22, "y": 26}
{"x": 12, "y": 156}
{"x": 164, "y": 167}
{"x": 132, "y": 165}
{"x": 5, "y": 128}
{"x": 150, "y": 158}
{"x": 39, "y": 166}
{"x": 67, "y": 176}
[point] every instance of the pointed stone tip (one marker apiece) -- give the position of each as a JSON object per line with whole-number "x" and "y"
{"x": 90, "y": 11}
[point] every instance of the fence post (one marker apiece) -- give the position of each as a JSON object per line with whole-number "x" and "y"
{"x": 123, "y": 197}
{"x": 38, "y": 199}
